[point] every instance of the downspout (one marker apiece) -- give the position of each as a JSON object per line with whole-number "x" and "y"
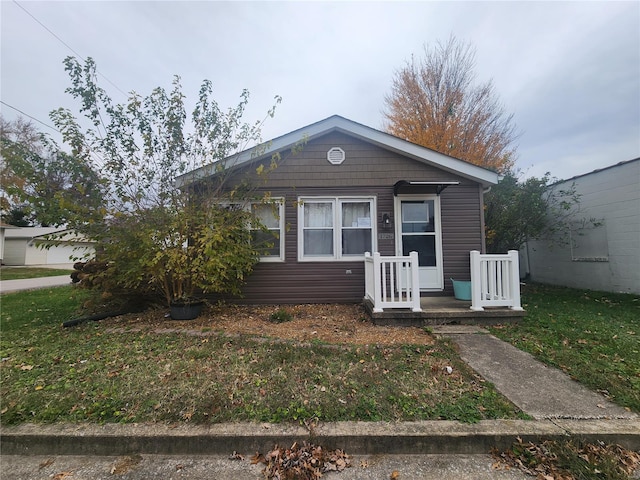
{"x": 482, "y": 226}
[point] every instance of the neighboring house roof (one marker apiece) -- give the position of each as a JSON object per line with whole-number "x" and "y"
{"x": 337, "y": 123}
{"x": 619, "y": 164}
{"x": 44, "y": 233}
{"x": 32, "y": 232}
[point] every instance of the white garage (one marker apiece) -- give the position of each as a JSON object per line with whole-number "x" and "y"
{"x": 44, "y": 246}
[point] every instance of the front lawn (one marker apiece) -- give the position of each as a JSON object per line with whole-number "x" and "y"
{"x": 592, "y": 336}
{"x": 17, "y": 273}
{"x": 146, "y": 369}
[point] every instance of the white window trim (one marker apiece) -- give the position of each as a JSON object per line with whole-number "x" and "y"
{"x": 337, "y": 227}
{"x": 281, "y": 257}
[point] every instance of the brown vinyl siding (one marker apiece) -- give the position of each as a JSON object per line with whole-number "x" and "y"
{"x": 365, "y": 165}
{"x": 461, "y": 231}
{"x": 367, "y": 171}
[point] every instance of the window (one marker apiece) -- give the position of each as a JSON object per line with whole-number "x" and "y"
{"x": 335, "y": 228}
{"x": 270, "y": 238}
{"x": 589, "y": 241}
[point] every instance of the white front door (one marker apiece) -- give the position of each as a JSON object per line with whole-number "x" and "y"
{"x": 418, "y": 229}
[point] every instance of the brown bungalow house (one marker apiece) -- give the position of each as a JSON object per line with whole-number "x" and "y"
{"x": 353, "y": 189}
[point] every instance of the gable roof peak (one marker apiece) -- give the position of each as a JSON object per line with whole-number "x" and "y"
{"x": 349, "y": 127}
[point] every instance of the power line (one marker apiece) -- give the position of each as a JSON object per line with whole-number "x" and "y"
{"x": 66, "y": 45}
{"x": 27, "y": 115}
{"x": 52, "y": 128}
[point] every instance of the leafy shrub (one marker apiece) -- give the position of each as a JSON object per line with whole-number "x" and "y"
{"x": 280, "y": 316}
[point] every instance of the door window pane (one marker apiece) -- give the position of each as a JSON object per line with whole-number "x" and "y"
{"x": 425, "y": 245}
{"x": 417, "y": 217}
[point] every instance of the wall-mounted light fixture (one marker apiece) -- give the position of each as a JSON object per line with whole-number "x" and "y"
{"x": 386, "y": 221}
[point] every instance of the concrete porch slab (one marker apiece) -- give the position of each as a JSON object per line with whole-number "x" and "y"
{"x": 442, "y": 311}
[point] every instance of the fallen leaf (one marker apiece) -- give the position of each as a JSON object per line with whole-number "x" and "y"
{"x": 46, "y": 463}
{"x": 125, "y": 464}
{"x": 61, "y": 475}
{"x": 26, "y": 367}
{"x": 395, "y": 474}
{"x": 258, "y": 458}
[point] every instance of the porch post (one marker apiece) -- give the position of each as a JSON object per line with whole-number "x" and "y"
{"x": 514, "y": 278}
{"x": 415, "y": 282}
{"x": 377, "y": 283}
{"x": 476, "y": 282}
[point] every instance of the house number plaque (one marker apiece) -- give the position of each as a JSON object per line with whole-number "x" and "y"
{"x": 385, "y": 236}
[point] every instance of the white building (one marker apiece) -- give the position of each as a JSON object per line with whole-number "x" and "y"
{"x": 604, "y": 254}
{"x": 44, "y": 246}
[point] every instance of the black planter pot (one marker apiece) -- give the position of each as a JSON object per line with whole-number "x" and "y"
{"x": 186, "y": 311}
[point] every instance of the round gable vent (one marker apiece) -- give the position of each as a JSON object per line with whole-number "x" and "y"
{"x": 335, "y": 156}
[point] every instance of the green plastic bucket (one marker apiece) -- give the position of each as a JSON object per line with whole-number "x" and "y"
{"x": 461, "y": 289}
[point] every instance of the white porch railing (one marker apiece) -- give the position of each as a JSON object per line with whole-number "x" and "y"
{"x": 392, "y": 282}
{"x": 495, "y": 280}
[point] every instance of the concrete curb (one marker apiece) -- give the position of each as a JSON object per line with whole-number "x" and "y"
{"x": 356, "y": 438}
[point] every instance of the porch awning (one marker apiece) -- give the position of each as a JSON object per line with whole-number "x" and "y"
{"x": 406, "y": 186}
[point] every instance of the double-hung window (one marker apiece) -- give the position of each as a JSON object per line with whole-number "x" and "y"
{"x": 335, "y": 228}
{"x": 269, "y": 237}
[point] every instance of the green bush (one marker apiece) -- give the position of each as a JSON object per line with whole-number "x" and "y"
{"x": 280, "y": 316}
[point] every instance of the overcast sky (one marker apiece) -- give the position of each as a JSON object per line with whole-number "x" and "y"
{"x": 569, "y": 72}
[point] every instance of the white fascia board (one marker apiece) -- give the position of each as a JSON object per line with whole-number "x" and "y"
{"x": 338, "y": 123}
{"x": 258, "y": 152}
{"x": 423, "y": 154}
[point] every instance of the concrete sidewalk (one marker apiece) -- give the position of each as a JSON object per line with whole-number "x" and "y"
{"x": 7, "y": 286}
{"x": 541, "y": 391}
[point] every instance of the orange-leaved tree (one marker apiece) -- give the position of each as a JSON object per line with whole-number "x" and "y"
{"x": 434, "y": 102}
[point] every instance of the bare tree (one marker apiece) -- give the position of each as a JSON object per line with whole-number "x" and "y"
{"x": 434, "y": 102}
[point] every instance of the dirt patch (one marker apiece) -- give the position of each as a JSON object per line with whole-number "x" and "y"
{"x": 332, "y": 323}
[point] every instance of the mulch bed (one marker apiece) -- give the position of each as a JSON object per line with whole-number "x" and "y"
{"x": 330, "y": 323}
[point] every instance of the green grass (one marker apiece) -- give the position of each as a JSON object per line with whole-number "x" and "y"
{"x": 17, "y": 273}
{"x": 573, "y": 458}
{"x": 592, "y": 336}
{"x": 92, "y": 373}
